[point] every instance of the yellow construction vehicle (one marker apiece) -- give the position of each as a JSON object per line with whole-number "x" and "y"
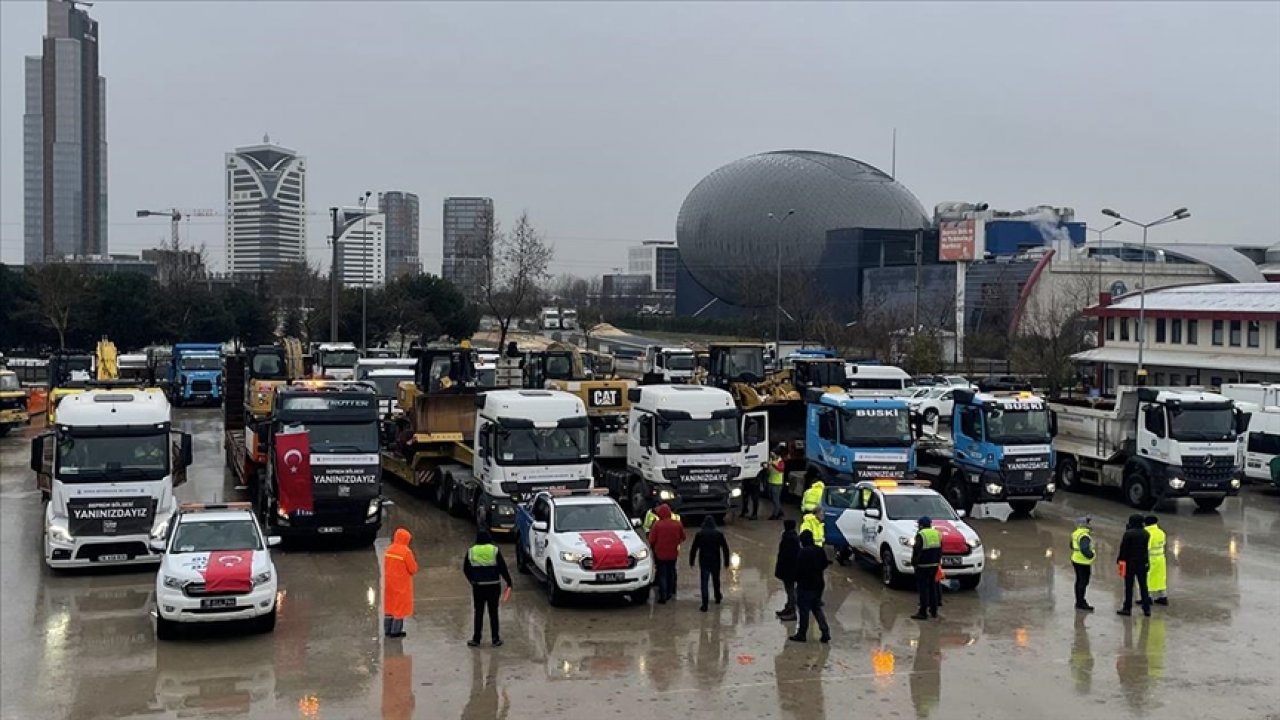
{"x": 560, "y": 366}
{"x": 250, "y": 382}
{"x": 13, "y": 401}
{"x": 72, "y": 371}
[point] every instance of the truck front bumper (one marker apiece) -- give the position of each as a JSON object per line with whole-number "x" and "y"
{"x": 1176, "y": 485}
{"x": 87, "y": 551}
{"x": 573, "y": 578}
{"x": 994, "y": 486}
{"x": 718, "y": 498}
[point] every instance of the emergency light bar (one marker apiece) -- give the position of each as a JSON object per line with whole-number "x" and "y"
{"x": 566, "y": 492}
{"x": 197, "y": 507}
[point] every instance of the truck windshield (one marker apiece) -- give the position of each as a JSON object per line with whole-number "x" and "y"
{"x": 698, "y": 436}
{"x": 10, "y": 382}
{"x": 201, "y": 363}
{"x": 914, "y": 507}
{"x": 820, "y": 374}
{"x": 199, "y": 536}
{"x": 586, "y": 518}
{"x": 746, "y": 363}
{"x": 680, "y": 362}
{"x": 559, "y": 367}
{"x": 267, "y": 365}
{"x": 388, "y": 385}
{"x": 343, "y": 437}
{"x": 1207, "y": 423}
{"x": 875, "y": 427}
{"x": 542, "y": 446}
{"x": 113, "y": 457}
{"x": 339, "y": 358}
{"x": 1014, "y": 427}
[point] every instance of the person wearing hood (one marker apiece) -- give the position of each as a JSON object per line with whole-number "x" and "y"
{"x": 784, "y": 567}
{"x": 710, "y": 545}
{"x": 926, "y": 556}
{"x": 1134, "y": 562}
{"x": 811, "y": 568}
{"x": 665, "y": 537}
{"x": 1157, "y": 575}
{"x": 398, "y": 568}
{"x": 486, "y": 570}
{"x": 1082, "y": 556}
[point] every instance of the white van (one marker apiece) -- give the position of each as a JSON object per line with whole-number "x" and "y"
{"x": 884, "y": 380}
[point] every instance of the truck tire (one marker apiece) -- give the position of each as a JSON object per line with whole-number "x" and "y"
{"x": 969, "y": 582}
{"x": 638, "y": 497}
{"x": 1023, "y": 506}
{"x": 451, "y": 503}
{"x": 555, "y": 596}
{"x": 442, "y": 490}
{"x": 1209, "y": 504}
{"x": 889, "y": 574}
{"x": 1068, "y": 475}
{"x": 1137, "y": 490}
{"x": 958, "y": 494}
{"x": 522, "y": 560}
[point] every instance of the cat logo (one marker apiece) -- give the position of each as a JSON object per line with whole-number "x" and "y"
{"x": 605, "y": 398}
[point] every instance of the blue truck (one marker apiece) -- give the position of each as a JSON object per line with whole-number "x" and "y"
{"x": 851, "y": 438}
{"x": 1000, "y": 450}
{"x": 194, "y": 374}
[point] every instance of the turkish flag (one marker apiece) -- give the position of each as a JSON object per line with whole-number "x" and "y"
{"x": 608, "y": 552}
{"x": 228, "y": 571}
{"x": 293, "y": 472}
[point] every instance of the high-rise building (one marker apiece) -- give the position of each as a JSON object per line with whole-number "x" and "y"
{"x": 362, "y": 248}
{"x": 65, "y": 141}
{"x": 659, "y": 259}
{"x": 266, "y": 209}
{"x": 401, "y": 211}
{"x": 468, "y": 225}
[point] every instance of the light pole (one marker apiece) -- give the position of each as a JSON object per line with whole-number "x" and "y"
{"x": 364, "y": 270}
{"x": 777, "y": 306}
{"x": 1179, "y": 214}
{"x": 1098, "y": 253}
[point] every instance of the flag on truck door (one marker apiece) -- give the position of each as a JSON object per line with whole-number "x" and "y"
{"x": 293, "y": 471}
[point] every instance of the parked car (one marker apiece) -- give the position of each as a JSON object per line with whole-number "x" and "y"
{"x": 935, "y": 404}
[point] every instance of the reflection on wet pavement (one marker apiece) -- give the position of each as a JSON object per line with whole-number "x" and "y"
{"x": 82, "y": 645}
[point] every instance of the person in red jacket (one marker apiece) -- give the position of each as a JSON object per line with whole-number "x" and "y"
{"x": 398, "y": 568}
{"x": 665, "y": 538}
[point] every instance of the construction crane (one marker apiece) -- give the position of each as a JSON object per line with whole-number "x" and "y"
{"x": 175, "y": 216}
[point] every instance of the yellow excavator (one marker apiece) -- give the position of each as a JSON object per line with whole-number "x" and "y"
{"x": 72, "y": 371}
{"x": 560, "y": 366}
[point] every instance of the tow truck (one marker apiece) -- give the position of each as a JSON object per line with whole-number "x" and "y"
{"x": 850, "y": 438}
{"x": 876, "y": 522}
{"x": 582, "y": 542}
{"x": 216, "y": 567}
{"x": 108, "y": 470}
{"x": 1000, "y": 450}
{"x": 1154, "y": 443}
{"x": 479, "y": 454}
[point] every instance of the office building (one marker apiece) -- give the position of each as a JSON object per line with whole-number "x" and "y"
{"x": 266, "y": 209}
{"x": 402, "y": 227}
{"x": 362, "y": 248}
{"x": 65, "y": 141}
{"x": 659, "y": 259}
{"x": 468, "y": 227}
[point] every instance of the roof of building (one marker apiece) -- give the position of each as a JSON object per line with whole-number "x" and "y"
{"x": 1224, "y": 260}
{"x": 1254, "y": 299}
{"x": 1225, "y": 362}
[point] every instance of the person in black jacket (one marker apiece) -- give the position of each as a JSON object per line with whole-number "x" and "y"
{"x": 1135, "y": 557}
{"x": 811, "y": 566}
{"x": 711, "y": 545}
{"x": 784, "y": 567}
{"x": 486, "y": 570}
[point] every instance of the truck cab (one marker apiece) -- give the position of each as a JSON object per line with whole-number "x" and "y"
{"x": 194, "y": 373}
{"x": 689, "y": 446}
{"x": 668, "y": 365}
{"x": 108, "y": 469}
{"x": 336, "y": 361}
{"x": 13, "y": 402}
{"x": 851, "y": 438}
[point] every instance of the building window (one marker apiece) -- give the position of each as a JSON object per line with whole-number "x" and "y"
{"x": 1111, "y": 329}
{"x": 1159, "y": 378}
{"x": 1124, "y": 328}
{"x": 1160, "y": 335}
{"x": 1175, "y": 331}
{"x": 1217, "y": 332}
{"x": 1215, "y": 381}
{"x": 1252, "y": 338}
{"x": 1193, "y": 337}
{"x": 1235, "y": 333}
{"x": 1278, "y": 334}
{"x": 1175, "y": 379}
{"x": 1124, "y": 377}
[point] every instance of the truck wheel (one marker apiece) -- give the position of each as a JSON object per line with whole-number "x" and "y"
{"x": 480, "y": 513}
{"x": 957, "y": 493}
{"x": 969, "y": 582}
{"x": 1209, "y": 504}
{"x": 166, "y": 629}
{"x": 522, "y": 560}
{"x": 1068, "y": 475}
{"x": 451, "y": 504}
{"x": 639, "y": 498}
{"x": 555, "y": 596}
{"x": 889, "y": 574}
{"x": 1137, "y": 491}
{"x": 640, "y": 597}
{"x": 930, "y": 416}
{"x": 442, "y": 490}
{"x": 1023, "y": 506}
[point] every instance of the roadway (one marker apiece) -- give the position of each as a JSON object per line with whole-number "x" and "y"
{"x": 82, "y": 645}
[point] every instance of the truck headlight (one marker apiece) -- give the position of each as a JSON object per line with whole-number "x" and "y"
{"x": 375, "y": 505}
{"x": 1051, "y": 488}
{"x": 60, "y": 534}
{"x": 571, "y": 557}
{"x": 160, "y": 530}
{"x": 262, "y": 578}
{"x": 994, "y": 488}
{"x": 666, "y": 495}
{"x": 1235, "y": 483}
{"x": 641, "y": 554}
{"x": 172, "y": 582}
{"x": 1177, "y": 483}
{"x": 907, "y": 541}
{"x": 736, "y": 492}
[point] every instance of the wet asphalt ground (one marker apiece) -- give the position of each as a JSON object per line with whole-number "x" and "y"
{"x": 82, "y": 645}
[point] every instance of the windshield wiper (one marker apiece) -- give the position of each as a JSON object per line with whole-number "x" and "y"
{"x": 345, "y": 448}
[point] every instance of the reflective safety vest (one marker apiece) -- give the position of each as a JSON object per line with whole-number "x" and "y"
{"x": 776, "y": 467}
{"x": 811, "y": 523}
{"x": 866, "y": 497}
{"x": 812, "y": 497}
{"x": 930, "y": 538}
{"x": 651, "y": 518}
{"x": 483, "y": 555}
{"x": 1155, "y": 542}
{"x": 1077, "y": 556}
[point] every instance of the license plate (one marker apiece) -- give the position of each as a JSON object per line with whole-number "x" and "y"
{"x": 215, "y": 603}
{"x": 328, "y": 530}
{"x": 611, "y": 577}
{"x": 117, "y": 557}
{"x": 952, "y": 561}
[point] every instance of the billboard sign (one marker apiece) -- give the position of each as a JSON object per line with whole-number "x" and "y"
{"x": 956, "y": 240}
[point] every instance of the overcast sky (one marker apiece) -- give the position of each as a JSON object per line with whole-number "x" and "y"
{"x": 599, "y": 118}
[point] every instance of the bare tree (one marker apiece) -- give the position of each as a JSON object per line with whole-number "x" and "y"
{"x": 515, "y": 268}
{"x": 1051, "y": 328}
{"x": 59, "y": 290}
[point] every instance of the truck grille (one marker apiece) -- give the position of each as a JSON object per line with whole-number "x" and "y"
{"x": 587, "y": 563}
{"x": 1199, "y": 469}
{"x": 201, "y": 385}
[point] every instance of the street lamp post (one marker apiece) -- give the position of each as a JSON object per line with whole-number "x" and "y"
{"x": 1098, "y": 253}
{"x": 364, "y": 270}
{"x": 777, "y": 306}
{"x": 1176, "y": 215}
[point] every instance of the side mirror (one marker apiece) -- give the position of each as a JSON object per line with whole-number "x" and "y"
{"x": 274, "y": 540}
{"x": 1053, "y": 424}
{"x": 540, "y": 525}
{"x": 37, "y": 453}
{"x": 646, "y": 432}
{"x": 962, "y": 513}
{"x": 635, "y": 522}
{"x": 157, "y": 544}
{"x": 1242, "y": 422}
{"x": 184, "y": 451}
{"x": 873, "y": 512}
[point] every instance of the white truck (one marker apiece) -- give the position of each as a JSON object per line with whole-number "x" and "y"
{"x": 108, "y": 469}
{"x": 336, "y": 361}
{"x": 1154, "y": 443}
{"x": 582, "y": 542}
{"x": 668, "y": 365}
{"x": 1262, "y": 443}
{"x": 689, "y": 446}
{"x": 549, "y": 318}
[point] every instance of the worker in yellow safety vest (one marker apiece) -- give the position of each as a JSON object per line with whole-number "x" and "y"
{"x": 1082, "y": 556}
{"x": 1157, "y": 572}
{"x": 812, "y": 498}
{"x": 926, "y": 555}
{"x": 651, "y": 517}
{"x": 813, "y": 523}
{"x": 777, "y": 471}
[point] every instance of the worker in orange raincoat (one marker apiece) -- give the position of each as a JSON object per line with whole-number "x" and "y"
{"x": 398, "y": 568}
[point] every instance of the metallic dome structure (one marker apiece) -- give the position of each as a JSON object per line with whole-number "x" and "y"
{"x": 729, "y": 242}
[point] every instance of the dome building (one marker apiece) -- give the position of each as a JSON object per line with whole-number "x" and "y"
{"x": 830, "y": 217}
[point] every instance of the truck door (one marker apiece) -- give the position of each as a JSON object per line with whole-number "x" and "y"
{"x": 484, "y": 453}
{"x": 871, "y": 522}
{"x": 826, "y": 438}
{"x": 967, "y": 436}
{"x": 755, "y": 440}
{"x": 538, "y": 539}
{"x": 842, "y": 515}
